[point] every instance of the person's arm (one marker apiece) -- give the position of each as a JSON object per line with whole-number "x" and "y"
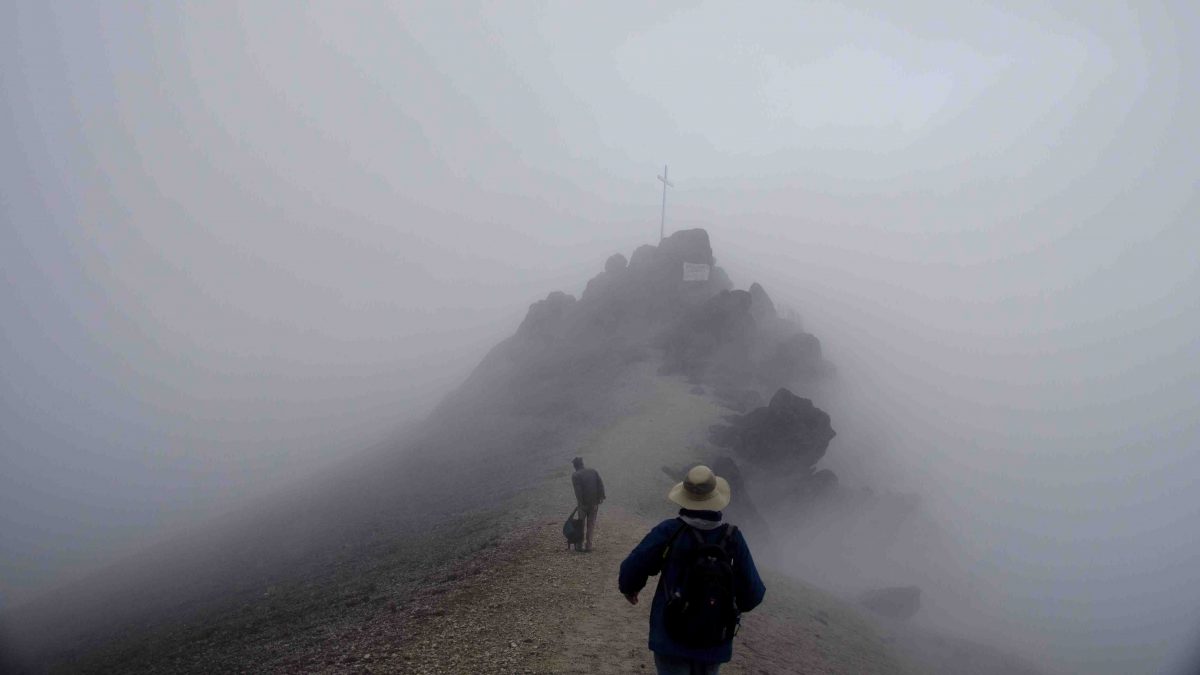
{"x": 748, "y": 586}
{"x": 642, "y": 562}
{"x": 599, "y": 487}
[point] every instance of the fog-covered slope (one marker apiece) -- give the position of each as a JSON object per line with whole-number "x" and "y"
{"x": 658, "y": 364}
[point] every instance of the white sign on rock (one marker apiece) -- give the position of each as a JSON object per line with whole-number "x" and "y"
{"x": 695, "y": 272}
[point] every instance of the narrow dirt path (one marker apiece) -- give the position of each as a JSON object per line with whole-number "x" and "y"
{"x": 524, "y": 604}
{"x": 542, "y": 609}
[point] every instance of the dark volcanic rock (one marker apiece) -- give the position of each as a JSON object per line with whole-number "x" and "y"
{"x": 718, "y": 280}
{"x": 642, "y": 258}
{"x": 662, "y": 294}
{"x": 639, "y": 298}
{"x": 566, "y": 353}
{"x": 762, "y": 308}
{"x": 736, "y": 340}
{"x": 687, "y": 246}
{"x": 615, "y": 264}
{"x": 823, "y": 482}
{"x": 789, "y": 432}
{"x": 547, "y": 318}
{"x": 896, "y": 602}
{"x": 718, "y": 333}
{"x": 793, "y": 358}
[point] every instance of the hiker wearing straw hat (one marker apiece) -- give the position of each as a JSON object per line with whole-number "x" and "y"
{"x": 706, "y": 578}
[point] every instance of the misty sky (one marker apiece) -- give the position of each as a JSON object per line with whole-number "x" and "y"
{"x": 239, "y": 243}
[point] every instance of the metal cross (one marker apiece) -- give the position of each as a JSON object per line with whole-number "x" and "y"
{"x": 666, "y": 183}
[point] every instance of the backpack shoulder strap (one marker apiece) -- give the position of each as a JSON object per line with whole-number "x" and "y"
{"x": 674, "y": 535}
{"x": 727, "y": 539}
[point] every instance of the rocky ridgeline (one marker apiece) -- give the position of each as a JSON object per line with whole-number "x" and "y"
{"x": 567, "y": 348}
{"x": 669, "y": 303}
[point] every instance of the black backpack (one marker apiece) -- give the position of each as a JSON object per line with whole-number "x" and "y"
{"x": 701, "y": 610}
{"x": 573, "y": 529}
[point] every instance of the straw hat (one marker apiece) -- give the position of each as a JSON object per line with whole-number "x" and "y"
{"x": 701, "y": 490}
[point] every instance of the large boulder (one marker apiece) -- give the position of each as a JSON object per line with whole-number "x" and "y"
{"x": 546, "y": 319}
{"x": 895, "y": 602}
{"x": 761, "y": 306}
{"x": 662, "y": 291}
{"x": 789, "y": 432}
{"x": 687, "y": 246}
{"x": 642, "y": 258}
{"x": 718, "y": 333}
{"x": 637, "y": 298}
{"x": 615, "y": 264}
{"x": 791, "y": 359}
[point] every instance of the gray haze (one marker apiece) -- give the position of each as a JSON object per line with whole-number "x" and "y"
{"x": 239, "y": 244}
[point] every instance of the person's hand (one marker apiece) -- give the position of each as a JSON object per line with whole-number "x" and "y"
{"x": 632, "y": 598}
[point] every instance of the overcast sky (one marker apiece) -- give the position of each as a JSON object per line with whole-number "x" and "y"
{"x": 241, "y": 242}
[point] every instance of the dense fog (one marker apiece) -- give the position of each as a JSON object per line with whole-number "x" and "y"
{"x": 241, "y": 244}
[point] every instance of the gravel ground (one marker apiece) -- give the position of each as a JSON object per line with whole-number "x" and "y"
{"x": 524, "y": 604}
{"x": 514, "y": 600}
{"x": 527, "y": 605}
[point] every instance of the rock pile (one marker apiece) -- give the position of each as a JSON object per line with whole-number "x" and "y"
{"x": 789, "y": 433}
{"x": 736, "y": 339}
{"x": 556, "y": 371}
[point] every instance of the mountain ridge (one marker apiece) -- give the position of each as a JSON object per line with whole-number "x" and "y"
{"x": 367, "y": 537}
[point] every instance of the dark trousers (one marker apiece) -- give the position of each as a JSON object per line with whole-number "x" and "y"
{"x": 588, "y": 513}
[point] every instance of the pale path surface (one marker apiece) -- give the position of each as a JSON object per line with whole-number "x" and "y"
{"x": 547, "y": 610}
{"x": 521, "y": 603}
{"x": 527, "y": 605}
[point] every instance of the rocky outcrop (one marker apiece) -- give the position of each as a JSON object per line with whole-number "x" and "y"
{"x": 789, "y": 433}
{"x": 638, "y": 298}
{"x": 546, "y": 318}
{"x": 713, "y": 339}
{"x": 615, "y": 264}
{"x": 792, "y": 358}
{"x": 737, "y": 340}
{"x": 567, "y": 352}
{"x": 762, "y": 308}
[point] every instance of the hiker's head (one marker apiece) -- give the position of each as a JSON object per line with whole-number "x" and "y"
{"x": 701, "y": 490}
{"x": 577, "y": 463}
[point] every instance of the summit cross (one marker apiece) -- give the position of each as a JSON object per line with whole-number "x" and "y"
{"x": 662, "y": 226}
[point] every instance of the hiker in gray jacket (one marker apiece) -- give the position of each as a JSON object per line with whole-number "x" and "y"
{"x": 589, "y": 492}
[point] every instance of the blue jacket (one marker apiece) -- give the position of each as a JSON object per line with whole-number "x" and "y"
{"x": 645, "y": 561}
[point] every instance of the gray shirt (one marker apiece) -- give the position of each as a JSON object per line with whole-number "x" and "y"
{"x": 589, "y": 489}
